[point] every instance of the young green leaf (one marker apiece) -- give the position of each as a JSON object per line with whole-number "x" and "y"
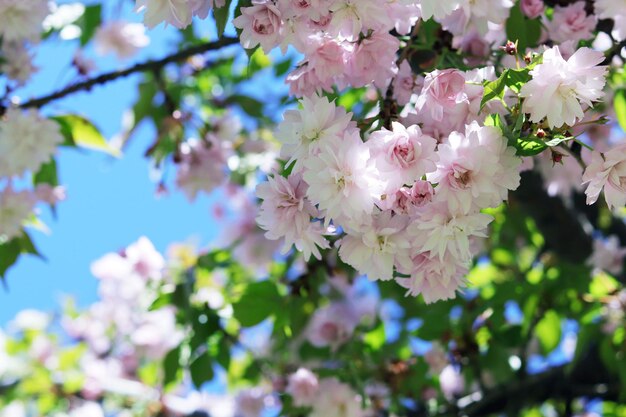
{"x": 80, "y": 132}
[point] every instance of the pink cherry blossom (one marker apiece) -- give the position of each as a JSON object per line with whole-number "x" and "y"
{"x": 22, "y": 19}
{"x": 49, "y": 194}
{"x": 407, "y": 200}
{"x": 436, "y": 359}
{"x": 336, "y": 399}
{"x": 404, "y": 84}
{"x": 571, "y": 23}
{"x": 608, "y": 255}
{"x": 15, "y": 207}
{"x": 261, "y": 24}
{"x": 303, "y": 386}
{"x": 436, "y": 8}
{"x": 607, "y": 173}
{"x": 352, "y": 17}
{"x": 559, "y": 89}
{"x": 451, "y": 382}
{"x": 328, "y": 57}
{"x": 468, "y": 176}
{"x": 174, "y": 12}
{"x": 343, "y": 180}
{"x": 38, "y": 141}
{"x": 375, "y": 248}
{"x": 532, "y": 8}
{"x": 318, "y": 123}
{"x": 121, "y": 38}
{"x": 251, "y": 402}
{"x": 439, "y": 231}
{"x": 613, "y": 9}
{"x": 332, "y": 325}
{"x": 373, "y": 60}
{"x": 146, "y": 261}
{"x": 156, "y": 334}
{"x": 443, "y": 90}
{"x": 202, "y": 167}
{"x": 286, "y": 213}
{"x": 434, "y": 278}
{"x": 403, "y": 155}
{"x": 17, "y": 64}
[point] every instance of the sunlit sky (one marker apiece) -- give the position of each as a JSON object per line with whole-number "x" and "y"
{"x": 111, "y": 203}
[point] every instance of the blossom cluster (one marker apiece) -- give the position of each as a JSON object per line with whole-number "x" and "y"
{"x": 27, "y": 141}
{"x": 177, "y": 13}
{"x": 405, "y": 202}
{"x": 404, "y": 199}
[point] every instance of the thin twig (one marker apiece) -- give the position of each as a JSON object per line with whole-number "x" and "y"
{"x": 150, "y": 65}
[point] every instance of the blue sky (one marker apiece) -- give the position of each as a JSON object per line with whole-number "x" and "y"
{"x": 111, "y": 202}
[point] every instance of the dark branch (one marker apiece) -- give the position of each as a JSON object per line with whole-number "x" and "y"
{"x": 587, "y": 378}
{"x": 151, "y": 65}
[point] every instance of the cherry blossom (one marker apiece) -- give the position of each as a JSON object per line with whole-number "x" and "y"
{"x": 261, "y": 24}
{"x": 608, "y": 255}
{"x": 403, "y": 155}
{"x": 22, "y": 19}
{"x": 303, "y": 386}
{"x": 38, "y": 141}
{"x": 343, "y": 180}
{"x": 121, "y": 38}
{"x": 559, "y": 89}
{"x": 286, "y": 213}
{"x": 334, "y": 395}
{"x": 375, "y": 248}
{"x": 15, "y": 207}
{"x": 441, "y": 232}
{"x": 607, "y": 173}
{"x": 318, "y": 123}
{"x": 571, "y": 23}
{"x": 467, "y": 176}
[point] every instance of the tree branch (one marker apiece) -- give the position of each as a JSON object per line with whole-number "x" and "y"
{"x": 150, "y": 65}
{"x": 587, "y": 378}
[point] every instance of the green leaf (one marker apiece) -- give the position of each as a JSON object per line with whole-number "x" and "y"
{"x": 259, "y": 301}
{"x": 376, "y": 338}
{"x": 80, "y": 132}
{"x": 27, "y": 245}
{"x": 530, "y": 146}
{"x": 493, "y": 90}
{"x": 620, "y": 107}
{"x": 47, "y": 174}
{"x": 9, "y": 252}
{"x": 171, "y": 367}
{"x": 221, "y": 14}
{"x": 282, "y": 67}
{"x": 515, "y": 79}
{"x": 89, "y": 22}
{"x": 201, "y": 369}
{"x": 523, "y": 30}
{"x": 557, "y": 140}
{"x": 143, "y": 107}
{"x": 548, "y": 331}
{"x": 251, "y": 106}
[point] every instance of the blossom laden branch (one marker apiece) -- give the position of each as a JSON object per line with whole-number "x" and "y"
{"x": 105, "y": 78}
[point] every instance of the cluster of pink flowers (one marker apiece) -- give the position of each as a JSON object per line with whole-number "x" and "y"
{"x": 27, "y": 141}
{"x": 406, "y": 201}
{"x": 344, "y": 42}
{"x": 20, "y": 25}
{"x": 408, "y": 205}
{"x": 120, "y": 331}
{"x": 121, "y": 38}
{"x": 177, "y": 13}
